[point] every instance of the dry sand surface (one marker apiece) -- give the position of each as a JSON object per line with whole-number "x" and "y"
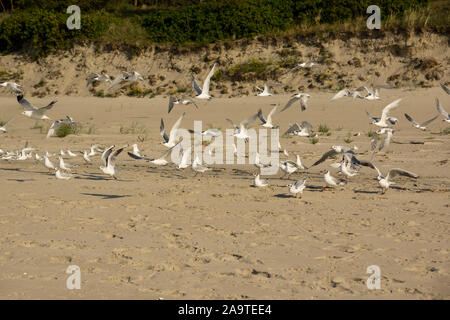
{"x": 161, "y": 232}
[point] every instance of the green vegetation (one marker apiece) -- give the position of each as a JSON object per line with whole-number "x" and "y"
{"x": 65, "y": 129}
{"x": 39, "y": 27}
{"x": 314, "y": 140}
{"x": 323, "y": 129}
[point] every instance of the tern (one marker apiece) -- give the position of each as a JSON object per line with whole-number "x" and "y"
{"x": 267, "y": 123}
{"x": 33, "y": 112}
{"x": 204, "y": 92}
{"x": 442, "y": 111}
{"x": 297, "y": 187}
{"x": 267, "y": 86}
{"x": 384, "y": 180}
{"x": 303, "y": 97}
{"x": 421, "y": 126}
{"x": 384, "y": 115}
{"x": 169, "y": 141}
{"x": 109, "y": 160}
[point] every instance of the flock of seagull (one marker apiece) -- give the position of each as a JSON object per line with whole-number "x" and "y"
{"x": 348, "y": 164}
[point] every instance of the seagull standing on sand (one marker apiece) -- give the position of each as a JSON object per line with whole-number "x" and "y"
{"x": 384, "y": 115}
{"x": 65, "y": 166}
{"x": 303, "y": 97}
{"x": 33, "y": 112}
{"x": 297, "y": 187}
{"x": 384, "y": 181}
{"x": 203, "y": 93}
{"x": 169, "y": 141}
{"x": 198, "y": 167}
{"x": 260, "y": 183}
{"x": 48, "y": 164}
{"x": 330, "y": 180}
{"x": 267, "y": 86}
{"x": 61, "y": 175}
{"x": 109, "y": 160}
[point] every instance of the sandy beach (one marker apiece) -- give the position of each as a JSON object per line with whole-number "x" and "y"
{"x": 160, "y": 232}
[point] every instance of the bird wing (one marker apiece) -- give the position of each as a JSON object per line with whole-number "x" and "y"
{"x": 261, "y": 117}
{"x": 371, "y": 118}
{"x": 303, "y": 101}
{"x": 388, "y": 108}
{"x": 290, "y": 102}
{"x": 48, "y": 107}
{"x": 325, "y": 156}
{"x": 162, "y": 131}
{"x": 385, "y": 143}
{"x": 249, "y": 121}
{"x": 374, "y": 141}
{"x": 172, "y": 101}
{"x": 294, "y": 128}
{"x": 25, "y": 103}
{"x": 400, "y": 172}
{"x": 429, "y": 121}
{"x": 445, "y": 88}
{"x": 441, "y": 110}
{"x": 300, "y": 183}
{"x": 135, "y": 156}
{"x": 269, "y": 117}
{"x": 233, "y": 124}
{"x": 113, "y": 155}
{"x": 307, "y": 125}
{"x": 205, "y": 88}
{"x": 119, "y": 78}
{"x": 91, "y": 78}
{"x": 195, "y": 85}
{"x": 173, "y": 131}
{"x": 259, "y": 89}
{"x": 168, "y": 152}
{"x": 340, "y": 94}
{"x": 184, "y": 97}
{"x": 291, "y": 70}
{"x": 411, "y": 119}
{"x": 105, "y": 155}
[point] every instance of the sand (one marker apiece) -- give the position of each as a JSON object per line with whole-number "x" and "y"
{"x": 163, "y": 233}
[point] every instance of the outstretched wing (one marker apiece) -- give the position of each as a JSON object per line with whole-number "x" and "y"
{"x": 105, "y": 155}
{"x": 249, "y": 121}
{"x": 48, "y": 107}
{"x": 112, "y": 157}
{"x": 388, "y": 108}
{"x": 292, "y": 129}
{"x": 340, "y": 94}
{"x": 233, "y": 124}
{"x": 440, "y": 109}
{"x": 195, "y": 85}
{"x": 411, "y": 119}
{"x": 445, "y": 88}
{"x": 290, "y": 102}
{"x": 173, "y": 131}
{"x": 205, "y": 88}
{"x": 269, "y": 117}
{"x": 186, "y": 98}
{"x": 119, "y": 78}
{"x": 25, "y": 103}
{"x": 400, "y": 172}
{"x": 261, "y": 117}
{"x": 162, "y": 131}
{"x": 324, "y": 157}
{"x": 172, "y": 101}
{"x": 135, "y": 156}
{"x": 429, "y": 121}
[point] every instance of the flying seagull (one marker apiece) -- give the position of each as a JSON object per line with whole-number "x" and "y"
{"x": 303, "y": 97}
{"x": 14, "y": 87}
{"x": 169, "y": 141}
{"x": 203, "y": 93}
{"x": 442, "y": 111}
{"x": 161, "y": 161}
{"x": 93, "y": 77}
{"x": 374, "y": 94}
{"x": 126, "y": 77}
{"x": 241, "y": 131}
{"x": 303, "y": 130}
{"x": 267, "y": 86}
{"x": 109, "y": 160}
{"x": 381, "y": 122}
{"x": 384, "y": 143}
{"x": 297, "y": 187}
{"x": 306, "y": 65}
{"x": 267, "y": 123}
{"x": 384, "y": 180}
{"x": 421, "y": 126}
{"x": 32, "y": 111}
{"x": 173, "y": 100}
{"x": 345, "y": 152}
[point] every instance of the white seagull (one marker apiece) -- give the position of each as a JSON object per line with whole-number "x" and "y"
{"x": 384, "y": 115}
{"x": 109, "y": 160}
{"x": 241, "y": 131}
{"x": 198, "y": 167}
{"x": 421, "y": 126}
{"x": 62, "y": 175}
{"x": 126, "y": 77}
{"x": 169, "y": 141}
{"x": 330, "y": 180}
{"x": 204, "y": 92}
{"x": 267, "y": 86}
{"x": 260, "y": 182}
{"x": 48, "y": 164}
{"x": 306, "y": 64}
{"x": 161, "y": 161}
{"x": 303, "y": 97}
{"x": 297, "y": 187}
{"x": 65, "y": 166}
{"x": 267, "y": 123}
{"x": 93, "y": 77}
{"x": 185, "y": 100}
{"x": 32, "y": 111}
{"x": 3, "y": 127}
{"x": 303, "y": 130}
{"x": 15, "y": 88}
{"x": 384, "y": 180}
{"x": 442, "y": 111}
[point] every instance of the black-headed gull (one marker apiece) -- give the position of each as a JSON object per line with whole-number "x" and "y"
{"x": 297, "y": 187}
{"x": 384, "y": 180}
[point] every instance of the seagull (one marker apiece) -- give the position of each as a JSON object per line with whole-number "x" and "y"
{"x": 288, "y": 167}
{"x": 48, "y": 164}
{"x": 267, "y": 123}
{"x": 442, "y": 111}
{"x": 307, "y": 65}
{"x": 297, "y": 187}
{"x": 65, "y": 166}
{"x": 161, "y": 161}
{"x": 86, "y": 157}
{"x": 126, "y": 77}
{"x": 330, "y": 180}
{"x": 258, "y": 163}
{"x": 348, "y": 93}
{"x": 374, "y": 93}
{"x": 170, "y": 141}
{"x": 198, "y": 167}
{"x": 384, "y": 143}
{"x": 70, "y": 153}
{"x": 184, "y": 162}
{"x": 210, "y": 132}
{"x": 3, "y": 127}
{"x": 384, "y": 115}
{"x": 33, "y": 112}
{"x": 62, "y": 153}
{"x": 347, "y": 170}
{"x": 260, "y": 182}
{"x": 303, "y": 97}
{"x": 299, "y": 163}
{"x": 204, "y": 92}
{"x": 447, "y": 90}
{"x": 184, "y": 100}
{"x": 421, "y": 126}
{"x": 37, "y": 157}
{"x": 267, "y": 86}
{"x": 61, "y": 175}
{"x": 384, "y": 180}
{"x": 109, "y": 160}
{"x": 346, "y": 152}
{"x": 241, "y": 131}
{"x": 303, "y": 130}
{"x": 93, "y": 77}
{"x": 15, "y": 88}
{"x": 136, "y": 150}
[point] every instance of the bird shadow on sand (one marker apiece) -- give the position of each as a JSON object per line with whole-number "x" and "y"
{"x": 284, "y": 196}
{"x": 11, "y": 169}
{"x": 21, "y": 180}
{"x": 98, "y": 178}
{"x": 366, "y": 191}
{"x": 106, "y": 196}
